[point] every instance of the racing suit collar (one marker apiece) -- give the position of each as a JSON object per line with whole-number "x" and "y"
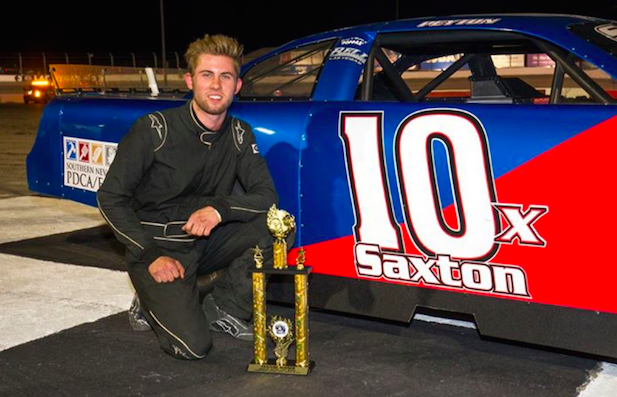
{"x": 201, "y": 128}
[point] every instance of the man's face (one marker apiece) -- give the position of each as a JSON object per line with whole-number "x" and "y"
{"x": 214, "y": 83}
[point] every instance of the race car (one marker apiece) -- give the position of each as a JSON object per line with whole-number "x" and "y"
{"x": 457, "y": 164}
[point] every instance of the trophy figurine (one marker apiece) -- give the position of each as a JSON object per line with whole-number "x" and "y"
{"x": 280, "y": 224}
{"x": 280, "y": 330}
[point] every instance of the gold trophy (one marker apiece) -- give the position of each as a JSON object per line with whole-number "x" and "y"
{"x": 281, "y": 330}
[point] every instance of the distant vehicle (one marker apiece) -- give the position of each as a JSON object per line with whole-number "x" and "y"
{"x": 38, "y": 91}
{"x": 464, "y": 164}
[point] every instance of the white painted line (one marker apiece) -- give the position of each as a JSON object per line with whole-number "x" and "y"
{"x": 602, "y": 383}
{"x": 41, "y": 298}
{"x": 31, "y": 216}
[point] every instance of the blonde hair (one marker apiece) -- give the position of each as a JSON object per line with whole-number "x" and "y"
{"x": 217, "y": 44}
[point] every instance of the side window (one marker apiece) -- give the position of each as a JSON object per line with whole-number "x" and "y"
{"x": 572, "y": 92}
{"x": 288, "y": 75}
{"x": 479, "y": 67}
{"x": 457, "y": 86}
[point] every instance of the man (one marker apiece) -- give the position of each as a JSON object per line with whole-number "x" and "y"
{"x": 168, "y": 198}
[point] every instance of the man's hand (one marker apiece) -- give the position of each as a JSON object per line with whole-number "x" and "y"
{"x": 201, "y": 222}
{"x": 165, "y": 269}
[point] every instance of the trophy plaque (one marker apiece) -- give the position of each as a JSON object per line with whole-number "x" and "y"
{"x": 281, "y": 330}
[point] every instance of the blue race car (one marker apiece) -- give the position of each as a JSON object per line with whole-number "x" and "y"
{"x": 451, "y": 163}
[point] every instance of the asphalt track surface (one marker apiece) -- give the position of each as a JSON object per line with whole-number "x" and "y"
{"x": 64, "y": 330}
{"x": 18, "y": 126}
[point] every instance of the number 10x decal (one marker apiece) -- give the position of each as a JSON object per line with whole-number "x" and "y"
{"x": 452, "y": 257}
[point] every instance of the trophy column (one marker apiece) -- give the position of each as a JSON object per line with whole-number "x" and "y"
{"x": 259, "y": 310}
{"x": 301, "y": 298}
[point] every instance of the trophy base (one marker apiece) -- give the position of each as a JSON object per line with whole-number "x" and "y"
{"x": 271, "y": 368}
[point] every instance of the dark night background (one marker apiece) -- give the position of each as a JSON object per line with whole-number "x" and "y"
{"x": 124, "y": 26}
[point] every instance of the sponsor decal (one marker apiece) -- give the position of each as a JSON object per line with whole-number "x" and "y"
{"x": 84, "y": 151}
{"x": 454, "y": 253}
{"x": 97, "y": 153}
{"x": 349, "y": 54}
{"x": 180, "y": 352}
{"x": 609, "y": 31}
{"x": 459, "y": 22}
{"x": 110, "y": 154}
{"x": 156, "y": 124}
{"x": 239, "y": 132}
{"x": 70, "y": 148}
{"x": 86, "y": 162}
{"x": 357, "y": 41}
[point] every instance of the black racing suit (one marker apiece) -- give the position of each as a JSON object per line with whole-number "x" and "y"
{"x": 168, "y": 166}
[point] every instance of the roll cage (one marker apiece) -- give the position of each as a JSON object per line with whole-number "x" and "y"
{"x": 476, "y": 48}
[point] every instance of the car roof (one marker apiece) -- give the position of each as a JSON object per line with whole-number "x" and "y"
{"x": 551, "y": 27}
{"x": 531, "y": 23}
